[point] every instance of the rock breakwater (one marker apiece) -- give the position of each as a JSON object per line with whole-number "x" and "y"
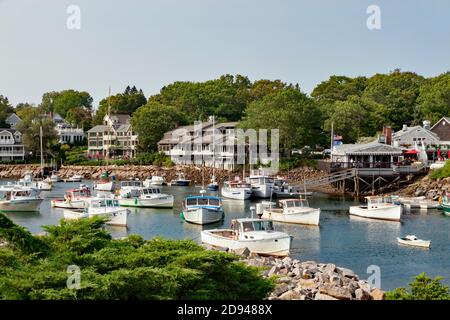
{"x": 309, "y": 280}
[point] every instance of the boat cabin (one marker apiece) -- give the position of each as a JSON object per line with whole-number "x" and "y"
{"x": 131, "y": 184}
{"x": 78, "y": 193}
{"x": 376, "y": 201}
{"x": 17, "y": 193}
{"x": 203, "y": 201}
{"x": 237, "y": 184}
{"x": 137, "y": 192}
{"x": 103, "y": 202}
{"x": 294, "y": 203}
{"x": 240, "y": 226}
{"x": 260, "y": 180}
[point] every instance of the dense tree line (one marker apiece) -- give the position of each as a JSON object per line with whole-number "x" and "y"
{"x": 357, "y": 107}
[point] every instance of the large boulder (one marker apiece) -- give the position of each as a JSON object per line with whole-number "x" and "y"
{"x": 361, "y": 294}
{"x": 321, "y": 296}
{"x": 377, "y": 294}
{"x": 291, "y": 295}
{"x": 340, "y": 293}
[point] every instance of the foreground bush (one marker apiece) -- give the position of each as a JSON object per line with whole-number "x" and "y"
{"x": 441, "y": 173}
{"x": 130, "y": 268}
{"x": 422, "y": 288}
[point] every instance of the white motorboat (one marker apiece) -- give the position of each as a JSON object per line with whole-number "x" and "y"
{"x": 74, "y": 178}
{"x": 19, "y": 199}
{"x": 54, "y": 177}
{"x": 154, "y": 181}
{"x": 181, "y": 181}
{"x": 103, "y": 207}
{"x": 202, "y": 209}
{"x": 262, "y": 185}
{"x": 144, "y": 197}
{"x": 295, "y": 211}
{"x": 257, "y": 235}
{"x": 236, "y": 190}
{"x": 74, "y": 198}
{"x": 27, "y": 181}
{"x": 377, "y": 208}
{"x": 106, "y": 183}
{"x": 412, "y": 240}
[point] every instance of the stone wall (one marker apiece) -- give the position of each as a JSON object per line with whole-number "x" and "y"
{"x": 193, "y": 173}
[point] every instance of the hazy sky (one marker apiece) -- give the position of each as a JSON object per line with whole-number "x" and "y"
{"x": 153, "y": 43}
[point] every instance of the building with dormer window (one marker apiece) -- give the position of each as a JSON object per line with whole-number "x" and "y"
{"x": 114, "y": 139}
{"x": 11, "y": 147}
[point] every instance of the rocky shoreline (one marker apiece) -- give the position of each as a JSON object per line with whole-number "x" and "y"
{"x": 196, "y": 174}
{"x": 427, "y": 187}
{"x": 309, "y": 280}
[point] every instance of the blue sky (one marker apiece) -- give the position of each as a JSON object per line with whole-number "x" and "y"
{"x": 153, "y": 43}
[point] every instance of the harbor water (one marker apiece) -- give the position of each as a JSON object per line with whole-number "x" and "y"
{"x": 354, "y": 243}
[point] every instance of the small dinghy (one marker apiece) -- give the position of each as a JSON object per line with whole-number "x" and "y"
{"x": 412, "y": 240}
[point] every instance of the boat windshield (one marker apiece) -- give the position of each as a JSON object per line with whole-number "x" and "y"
{"x": 203, "y": 201}
{"x": 22, "y": 193}
{"x": 151, "y": 191}
{"x": 106, "y": 203}
{"x": 261, "y": 225}
{"x": 296, "y": 203}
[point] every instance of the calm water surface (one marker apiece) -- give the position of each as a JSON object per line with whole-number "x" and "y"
{"x": 355, "y": 243}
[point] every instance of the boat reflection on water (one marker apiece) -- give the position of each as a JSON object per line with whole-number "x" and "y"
{"x": 372, "y": 228}
{"x": 306, "y": 237}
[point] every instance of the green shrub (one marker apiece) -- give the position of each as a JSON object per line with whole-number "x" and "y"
{"x": 422, "y": 288}
{"x": 130, "y": 268}
{"x": 441, "y": 173}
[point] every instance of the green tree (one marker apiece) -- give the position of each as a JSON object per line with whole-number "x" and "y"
{"x": 62, "y": 102}
{"x": 32, "y": 119}
{"x": 289, "y": 110}
{"x": 394, "y": 96}
{"x": 80, "y": 117}
{"x": 350, "y": 118}
{"x": 226, "y": 98}
{"x": 434, "y": 98}
{"x": 151, "y": 121}
{"x": 123, "y": 103}
{"x": 5, "y": 110}
{"x": 131, "y": 268}
{"x": 422, "y": 288}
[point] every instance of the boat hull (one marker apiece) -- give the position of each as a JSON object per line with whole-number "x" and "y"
{"x": 74, "y": 215}
{"x": 203, "y": 215}
{"x": 105, "y": 186}
{"x": 446, "y": 208}
{"x": 180, "y": 183}
{"x": 115, "y": 217}
{"x": 417, "y": 243}
{"x": 279, "y": 247}
{"x": 307, "y": 217}
{"x": 392, "y": 213}
{"x": 261, "y": 191}
{"x": 160, "y": 202}
{"x": 237, "y": 194}
{"x": 19, "y": 205}
{"x": 73, "y": 204}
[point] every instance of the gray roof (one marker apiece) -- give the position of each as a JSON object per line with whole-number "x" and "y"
{"x": 13, "y": 119}
{"x": 99, "y": 128}
{"x": 408, "y": 130}
{"x": 120, "y": 118}
{"x": 123, "y": 127}
{"x": 371, "y": 148}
